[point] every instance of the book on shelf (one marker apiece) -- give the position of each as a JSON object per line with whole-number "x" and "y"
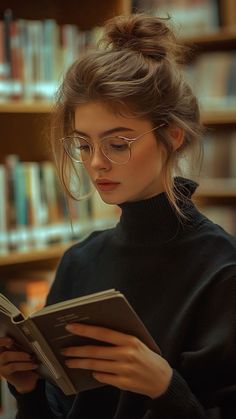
{"x": 3, "y": 211}
{"x": 191, "y": 17}
{"x": 216, "y": 156}
{"x": 34, "y": 55}
{"x": 29, "y": 289}
{"x": 34, "y": 211}
{"x": 43, "y": 333}
{"x": 232, "y": 159}
{"x": 219, "y": 90}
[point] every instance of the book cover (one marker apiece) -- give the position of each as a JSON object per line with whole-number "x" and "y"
{"x": 44, "y": 332}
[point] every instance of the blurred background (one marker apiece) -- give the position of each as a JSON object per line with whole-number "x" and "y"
{"x": 38, "y": 42}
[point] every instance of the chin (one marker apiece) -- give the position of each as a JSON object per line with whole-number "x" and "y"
{"x": 111, "y": 201}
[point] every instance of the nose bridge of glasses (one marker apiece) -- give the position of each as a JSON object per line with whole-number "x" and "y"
{"x": 98, "y": 151}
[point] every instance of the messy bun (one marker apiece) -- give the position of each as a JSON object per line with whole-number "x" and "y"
{"x": 136, "y": 70}
{"x": 143, "y": 34}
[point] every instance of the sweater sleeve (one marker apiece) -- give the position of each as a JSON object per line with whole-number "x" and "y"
{"x": 33, "y": 404}
{"x": 204, "y": 387}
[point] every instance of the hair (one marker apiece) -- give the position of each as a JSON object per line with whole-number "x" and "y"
{"x": 137, "y": 70}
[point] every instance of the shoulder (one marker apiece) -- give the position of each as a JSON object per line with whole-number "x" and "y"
{"x": 89, "y": 246}
{"x": 214, "y": 234}
{"x": 214, "y": 246}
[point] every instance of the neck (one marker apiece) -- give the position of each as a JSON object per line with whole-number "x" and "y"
{"x": 155, "y": 220}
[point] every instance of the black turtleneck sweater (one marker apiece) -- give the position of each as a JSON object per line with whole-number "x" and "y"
{"x": 180, "y": 277}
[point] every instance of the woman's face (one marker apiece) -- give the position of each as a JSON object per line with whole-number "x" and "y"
{"x": 140, "y": 178}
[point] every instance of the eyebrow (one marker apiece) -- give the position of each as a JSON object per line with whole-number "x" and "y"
{"x": 107, "y": 132}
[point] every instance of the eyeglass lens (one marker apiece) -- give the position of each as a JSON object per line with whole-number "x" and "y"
{"x": 114, "y": 148}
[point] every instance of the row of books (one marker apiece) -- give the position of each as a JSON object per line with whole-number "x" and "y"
{"x": 190, "y": 16}
{"x": 28, "y": 289}
{"x": 34, "y": 55}
{"x": 213, "y": 78}
{"x": 219, "y": 159}
{"x": 34, "y": 211}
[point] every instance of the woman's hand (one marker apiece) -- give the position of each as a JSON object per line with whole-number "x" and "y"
{"x": 17, "y": 367}
{"x": 129, "y": 364}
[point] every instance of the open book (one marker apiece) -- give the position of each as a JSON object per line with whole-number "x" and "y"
{"x": 44, "y": 333}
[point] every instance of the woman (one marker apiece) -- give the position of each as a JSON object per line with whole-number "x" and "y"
{"x": 128, "y": 116}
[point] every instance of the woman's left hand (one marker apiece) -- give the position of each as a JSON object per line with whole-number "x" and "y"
{"x": 129, "y": 364}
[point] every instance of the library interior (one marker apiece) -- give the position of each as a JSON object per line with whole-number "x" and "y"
{"x": 38, "y": 43}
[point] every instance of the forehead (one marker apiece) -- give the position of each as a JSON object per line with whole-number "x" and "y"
{"x": 97, "y": 116}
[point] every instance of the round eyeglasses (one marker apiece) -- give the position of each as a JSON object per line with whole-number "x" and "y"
{"x": 117, "y": 149}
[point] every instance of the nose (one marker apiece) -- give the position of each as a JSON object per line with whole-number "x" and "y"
{"x": 98, "y": 161}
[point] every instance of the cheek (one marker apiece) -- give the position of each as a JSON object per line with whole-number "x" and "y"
{"x": 149, "y": 162}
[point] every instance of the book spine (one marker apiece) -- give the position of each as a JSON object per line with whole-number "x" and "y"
{"x": 54, "y": 369}
{"x": 3, "y": 212}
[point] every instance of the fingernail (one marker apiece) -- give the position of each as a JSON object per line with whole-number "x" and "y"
{"x": 70, "y": 327}
{"x": 9, "y": 343}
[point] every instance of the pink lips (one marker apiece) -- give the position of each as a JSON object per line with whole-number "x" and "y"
{"x": 106, "y": 185}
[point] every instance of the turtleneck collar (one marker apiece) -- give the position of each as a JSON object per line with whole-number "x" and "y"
{"x": 154, "y": 219}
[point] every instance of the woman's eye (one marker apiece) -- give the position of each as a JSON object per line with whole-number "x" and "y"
{"x": 83, "y": 148}
{"x": 117, "y": 145}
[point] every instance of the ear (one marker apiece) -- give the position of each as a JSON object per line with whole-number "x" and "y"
{"x": 177, "y": 136}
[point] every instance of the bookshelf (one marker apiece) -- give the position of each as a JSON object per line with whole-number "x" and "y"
{"x": 20, "y": 117}
{"x": 26, "y": 107}
{"x": 24, "y": 122}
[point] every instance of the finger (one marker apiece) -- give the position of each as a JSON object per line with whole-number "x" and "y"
{"x": 6, "y": 341}
{"x": 12, "y": 356}
{"x": 110, "y": 367}
{"x": 99, "y": 333}
{"x": 13, "y": 367}
{"x": 110, "y": 379}
{"x": 93, "y": 351}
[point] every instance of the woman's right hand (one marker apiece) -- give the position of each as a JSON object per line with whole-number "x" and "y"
{"x": 17, "y": 367}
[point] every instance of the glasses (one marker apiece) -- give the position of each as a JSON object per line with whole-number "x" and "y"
{"x": 117, "y": 149}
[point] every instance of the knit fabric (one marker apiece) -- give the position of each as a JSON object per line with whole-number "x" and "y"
{"x": 180, "y": 277}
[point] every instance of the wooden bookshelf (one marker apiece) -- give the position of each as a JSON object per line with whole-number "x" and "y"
{"x": 219, "y": 116}
{"x": 30, "y": 107}
{"x": 223, "y": 38}
{"x": 85, "y": 14}
{"x": 48, "y": 253}
{"x": 209, "y": 117}
{"x": 24, "y": 124}
{"x": 19, "y": 118}
{"x": 217, "y": 188}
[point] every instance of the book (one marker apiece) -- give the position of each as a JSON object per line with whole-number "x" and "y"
{"x": 3, "y": 211}
{"x": 43, "y": 333}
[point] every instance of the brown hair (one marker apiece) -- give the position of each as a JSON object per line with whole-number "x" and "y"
{"x": 137, "y": 70}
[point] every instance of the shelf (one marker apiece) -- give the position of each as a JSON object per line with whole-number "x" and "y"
{"x": 217, "y": 188}
{"x": 26, "y": 107}
{"x": 21, "y": 107}
{"x": 55, "y": 251}
{"x": 219, "y": 116}
{"x": 35, "y": 255}
{"x": 221, "y": 37}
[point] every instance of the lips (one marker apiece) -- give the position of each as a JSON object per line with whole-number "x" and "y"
{"x": 106, "y": 184}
